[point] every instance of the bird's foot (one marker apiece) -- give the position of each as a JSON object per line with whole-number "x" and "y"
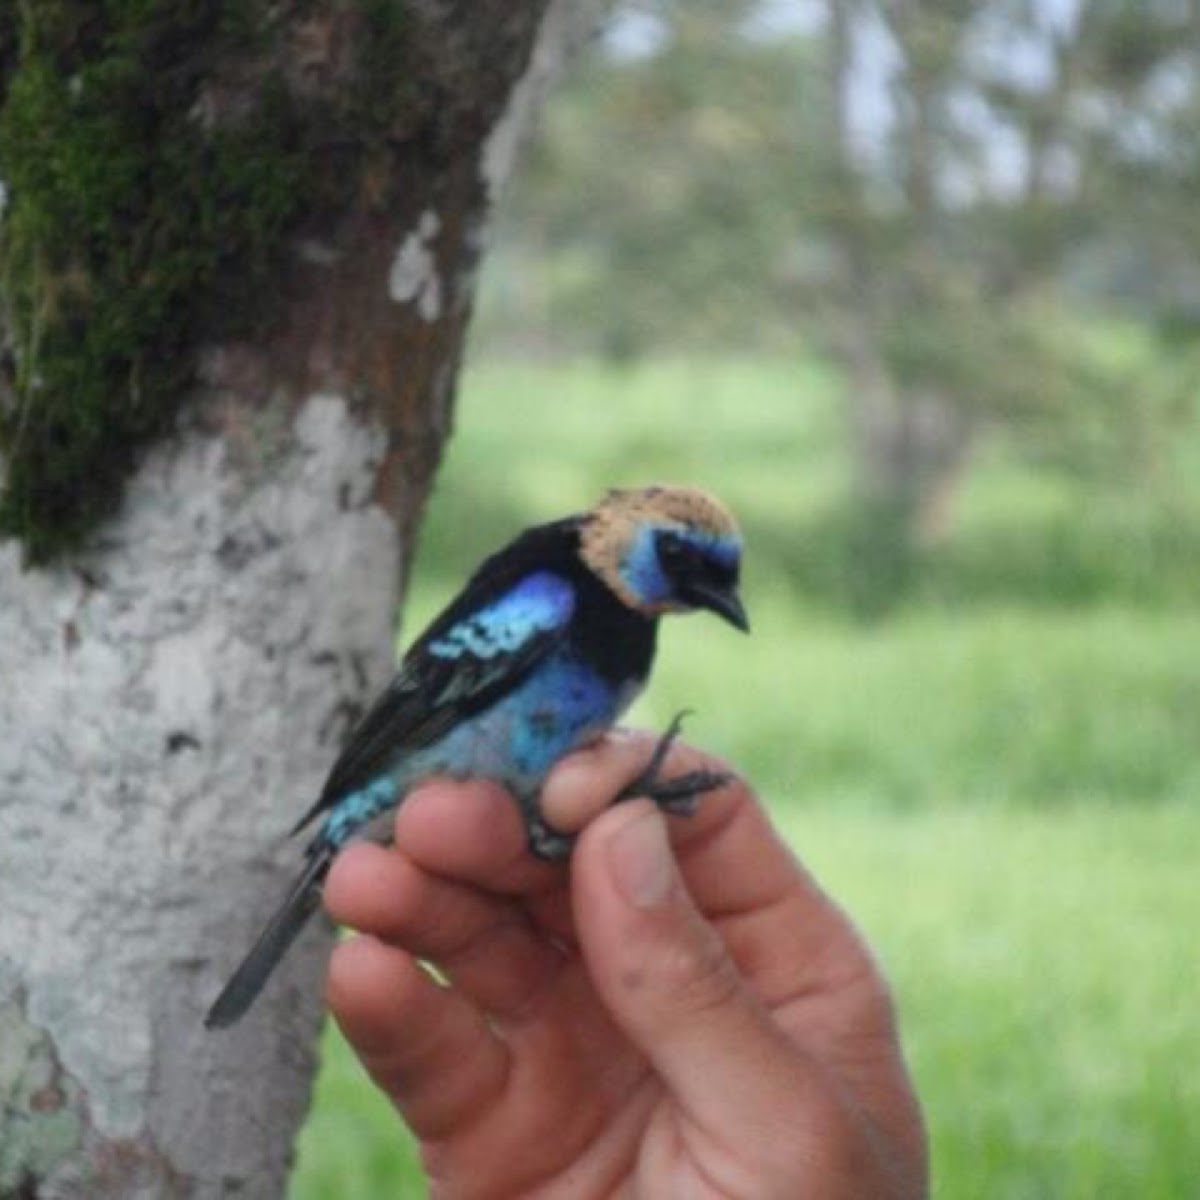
{"x": 545, "y": 843}
{"x": 678, "y": 796}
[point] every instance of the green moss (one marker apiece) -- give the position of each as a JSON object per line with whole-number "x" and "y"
{"x": 132, "y": 225}
{"x": 376, "y": 100}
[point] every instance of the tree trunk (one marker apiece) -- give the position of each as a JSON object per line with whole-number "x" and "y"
{"x": 911, "y": 449}
{"x": 910, "y": 446}
{"x": 910, "y": 453}
{"x": 173, "y": 697}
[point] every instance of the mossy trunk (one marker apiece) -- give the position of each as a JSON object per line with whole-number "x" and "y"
{"x": 178, "y": 677}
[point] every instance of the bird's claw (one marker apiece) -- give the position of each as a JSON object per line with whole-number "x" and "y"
{"x": 677, "y": 796}
{"x": 545, "y": 843}
{"x": 681, "y": 795}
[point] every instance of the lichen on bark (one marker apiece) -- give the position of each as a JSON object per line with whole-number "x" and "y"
{"x": 155, "y": 155}
{"x": 43, "y": 1126}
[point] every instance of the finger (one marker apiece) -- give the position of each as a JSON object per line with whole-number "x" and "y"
{"x": 803, "y": 956}
{"x": 669, "y": 983}
{"x": 471, "y": 831}
{"x": 424, "y": 1045}
{"x": 796, "y": 951}
{"x": 483, "y": 942}
{"x": 783, "y": 932}
{"x": 586, "y": 782}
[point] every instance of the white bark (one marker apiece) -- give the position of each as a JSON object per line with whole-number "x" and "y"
{"x": 164, "y": 722}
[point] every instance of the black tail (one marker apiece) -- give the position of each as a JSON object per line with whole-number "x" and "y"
{"x": 242, "y": 989}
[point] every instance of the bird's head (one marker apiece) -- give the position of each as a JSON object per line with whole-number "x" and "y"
{"x": 665, "y": 549}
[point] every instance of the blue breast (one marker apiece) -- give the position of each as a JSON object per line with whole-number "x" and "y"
{"x": 561, "y": 705}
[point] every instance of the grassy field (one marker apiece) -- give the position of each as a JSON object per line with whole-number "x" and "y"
{"x": 999, "y": 785}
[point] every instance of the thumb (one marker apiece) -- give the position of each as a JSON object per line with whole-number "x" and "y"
{"x": 669, "y": 983}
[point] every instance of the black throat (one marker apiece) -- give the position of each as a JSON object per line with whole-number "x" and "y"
{"x": 615, "y": 640}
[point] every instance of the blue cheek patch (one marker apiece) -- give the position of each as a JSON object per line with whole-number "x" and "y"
{"x": 641, "y": 571}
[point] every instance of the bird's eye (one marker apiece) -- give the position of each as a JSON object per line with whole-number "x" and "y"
{"x": 671, "y": 549}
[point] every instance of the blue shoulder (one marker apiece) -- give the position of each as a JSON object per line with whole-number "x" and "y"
{"x": 537, "y": 604}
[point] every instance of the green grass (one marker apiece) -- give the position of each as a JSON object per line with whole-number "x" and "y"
{"x": 353, "y": 1146}
{"x": 1046, "y": 987}
{"x": 999, "y": 783}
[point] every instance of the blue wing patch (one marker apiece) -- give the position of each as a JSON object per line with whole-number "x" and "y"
{"x": 448, "y": 678}
{"x": 540, "y": 603}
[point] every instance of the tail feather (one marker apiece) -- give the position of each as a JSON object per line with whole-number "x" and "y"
{"x": 248, "y": 980}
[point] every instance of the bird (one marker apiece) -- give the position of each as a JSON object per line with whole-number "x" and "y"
{"x": 544, "y": 648}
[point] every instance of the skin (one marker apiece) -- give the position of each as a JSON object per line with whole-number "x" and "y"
{"x": 682, "y": 1014}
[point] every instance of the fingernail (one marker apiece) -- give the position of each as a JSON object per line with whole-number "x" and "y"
{"x": 639, "y": 857}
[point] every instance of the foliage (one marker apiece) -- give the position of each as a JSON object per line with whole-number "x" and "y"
{"x": 957, "y": 202}
{"x": 1010, "y": 165}
{"x": 703, "y": 172}
{"x": 659, "y": 206}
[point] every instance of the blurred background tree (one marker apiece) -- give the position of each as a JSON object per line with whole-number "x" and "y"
{"x": 983, "y": 212}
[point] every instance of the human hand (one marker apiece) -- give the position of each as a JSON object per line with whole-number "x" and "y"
{"x": 702, "y": 1023}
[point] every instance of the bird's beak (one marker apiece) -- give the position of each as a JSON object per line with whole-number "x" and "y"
{"x": 725, "y": 602}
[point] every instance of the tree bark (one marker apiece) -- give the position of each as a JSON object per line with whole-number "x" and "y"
{"x": 911, "y": 449}
{"x": 910, "y": 445}
{"x": 173, "y": 697}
